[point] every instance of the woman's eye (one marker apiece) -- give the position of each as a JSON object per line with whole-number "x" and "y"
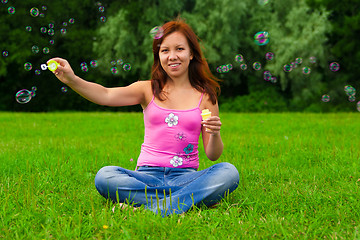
{"x": 164, "y": 50}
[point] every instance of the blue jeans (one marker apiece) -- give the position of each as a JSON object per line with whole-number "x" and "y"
{"x": 167, "y": 190}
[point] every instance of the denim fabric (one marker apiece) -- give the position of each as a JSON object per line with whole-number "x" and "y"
{"x": 167, "y": 190}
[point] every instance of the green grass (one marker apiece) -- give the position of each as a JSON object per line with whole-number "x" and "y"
{"x": 299, "y": 178}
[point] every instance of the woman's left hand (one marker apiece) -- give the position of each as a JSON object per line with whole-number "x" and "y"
{"x": 212, "y": 125}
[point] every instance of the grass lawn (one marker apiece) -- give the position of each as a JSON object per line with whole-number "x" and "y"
{"x": 299, "y": 178}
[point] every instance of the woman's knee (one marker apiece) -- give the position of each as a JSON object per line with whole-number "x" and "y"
{"x": 229, "y": 174}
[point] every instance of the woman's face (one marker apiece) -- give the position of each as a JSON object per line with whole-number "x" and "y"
{"x": 175, "y": 55}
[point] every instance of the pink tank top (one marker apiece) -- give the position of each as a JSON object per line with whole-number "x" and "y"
{"x": 171, "y": 137}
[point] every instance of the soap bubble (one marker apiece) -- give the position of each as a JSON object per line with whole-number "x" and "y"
{"x": 43, "y": 29}
{"x": 41, "y": 15}
{"x": 27, "y": 66}
{"x": 52, "y": 42}
{"x": 273, "y": 80}
{"x": 306, "y": 70}
{"x": 101, "y": 9}
{"x": 4, "y": 1}
{"x": 256, "y": 66}
{"x": 358, "y": 106}
{"x": 103, "y": 19}
{"x": 64, "y": 24}
{"x": 34, "y": 12}
{"x": 5, "y": 53}
{"x": 46, "y": 50}
{"x": 37, "y": 72}
{"x": 113, "y": 62}
{"x": 261, "y": 38}
{"x": 349, "y": 90}
{"x": 287, "y": 68}
{"x": 157, "y": 32}
{"x": 23, "y": 96}
{"x": 51, "y": 25}
{"x": 269, "y": 56}
{"x": 352, "y": 98}
{"x": 35, "y": 49}
{"x": 267, "y": 75}
{"x": 120, "y": 62}
{"x": 11, "y": 10}
{"x": 325, "y": 98}
{"x": 28, "y": 28}
{"x": 312, "y": 60}
{"x": 51, "y": 32}
{"x": 298, "y": 60}
{"x": 71, "y": 20}
{"x": 243, "y": 66}
{"x": 64, "y": 89}
{"x": 44, "y": 8}
{"x": 334, "y": 66}
{"x": 93, "y": 63}
{"x": 63, "y": 31}
{"x": 239, "y": 58}
{"x": 114, "y": 70}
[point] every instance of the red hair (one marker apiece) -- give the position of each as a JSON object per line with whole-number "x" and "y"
{"x": 200, "y": 75}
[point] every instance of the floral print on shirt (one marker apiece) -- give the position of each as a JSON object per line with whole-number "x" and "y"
{"x": 189, "y": 148}
{"x": 172, "y": 120}
{"x": 180, "y": 136}
{"x": 176, "y": 161}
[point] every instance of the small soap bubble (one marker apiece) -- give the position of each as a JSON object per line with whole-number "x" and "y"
{"x": 71, "y": 20}
{"x": 34, "y": 88}
{"x": 298, "y": 60}
{"x": 23, "y": 96}
{"x": 256, "y": 66}
{"x": 43, "y": 30}
{"x": 273, "y": 79}
{"x": 64, "y": 89}
{"x": 37, "y": 72}
{"x": 269, "y": 56}
{"x": 28, "y": 28}
{"x": 243, "y": 66}
{"x": 46, "y": 50}
{"x": 103, "y": 19}
{"x": 84, "y": 67}
{"x": 5, "y": 53}
{"x": 114, "y": 70}
{"x": 261, "y": 38}
{"x": 93, "y": 63}
{"x": 44, "y": 8}
{"x": 27, "y": 66}
{"x": 239, "y": 58}
{"x": 156, "y": 32}
{"x": 63, "y": 31}
{"x": 35, "y": 49}
{"x": 312, "y": 60}
{"x": 287, "y": 68}
{"x": 113, "y": 62}
{"x": 101, "y": 9}
{"x": 306, "y": 70}
{"x": 51, "y": 32}
{"x": 127, "y": 67}
{"x": 358, "y": 106}
{"x": 33, "y": 93}
{"x": 4, "y": 1}
{"x": 334, "y": 66}
{"x": 120, "y": 62}
{"x": 41, "y": 15}
{"x": 352, "y": 98}
{"x": 64, "y": 24}
{"x": 34, "y": 12}
{"x": 11, "y": 10}
{"x": 52, "y": 41}
{"x": 267, "y": 75}
{"x": 325, "y": 98}
{"x": 43, "y": 67}
{"x": 51, "y": 25}
{"x": 350, "y": 90}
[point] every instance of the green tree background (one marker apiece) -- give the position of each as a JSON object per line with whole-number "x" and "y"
{"x": 324, "y": 29}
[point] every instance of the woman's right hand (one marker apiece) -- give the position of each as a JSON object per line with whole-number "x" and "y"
{"x": 64, "y": 71}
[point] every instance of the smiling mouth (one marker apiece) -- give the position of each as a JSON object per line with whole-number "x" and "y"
{"x": 174, "y": 65}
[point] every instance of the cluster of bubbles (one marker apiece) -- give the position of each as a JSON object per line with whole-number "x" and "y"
{"x": 119, "y": 63}
{"x": 24, "y": 96}
{"x": 224, "y": 68}
{"x": 350, "y": 91}
{"x": 156, "y": 32}
{"x": 101, "y": 10}
{"x": 297, "y": 62}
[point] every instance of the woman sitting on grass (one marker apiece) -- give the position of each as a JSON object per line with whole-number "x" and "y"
{"x": 166, "y": 180}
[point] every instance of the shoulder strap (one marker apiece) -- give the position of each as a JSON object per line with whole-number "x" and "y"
{"x": 202, "y": 94}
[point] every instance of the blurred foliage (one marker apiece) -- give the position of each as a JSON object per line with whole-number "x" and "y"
{"x": 325, "y": 29}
